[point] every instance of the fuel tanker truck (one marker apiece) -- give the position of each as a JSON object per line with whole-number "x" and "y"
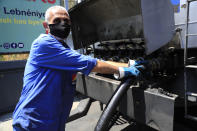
{"x": 158, "y": 33}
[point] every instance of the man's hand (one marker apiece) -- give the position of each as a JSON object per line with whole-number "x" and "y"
{"x": 136, "y": 62}
{"x": 139, "y": 64}
{"x": 127, "y": 71}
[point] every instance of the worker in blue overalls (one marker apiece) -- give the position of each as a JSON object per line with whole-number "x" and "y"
{"x": 47, "y": 94}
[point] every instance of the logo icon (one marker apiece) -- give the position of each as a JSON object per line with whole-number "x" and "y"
{"x": 6, "y": 45}
{"x": 20, "y": 45}
{"x": 14, "y": 45}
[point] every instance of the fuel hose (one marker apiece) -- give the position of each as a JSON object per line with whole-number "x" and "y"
{"x": 110, "y": 109}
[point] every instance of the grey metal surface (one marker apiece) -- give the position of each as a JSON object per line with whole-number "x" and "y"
{"x": 145, "y": 106}
{"x": 159, "y": 110}
{"x": 158, "y": 23}
{"x": 89, "y": 86}
{"x": 149, "y": 107}
{"x": 180, "y": 19}
{"x": 11, "y": 83}
{"x": 104, "y": 20}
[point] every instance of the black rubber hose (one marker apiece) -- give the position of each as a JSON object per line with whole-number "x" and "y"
{"x": 110, "y": 109}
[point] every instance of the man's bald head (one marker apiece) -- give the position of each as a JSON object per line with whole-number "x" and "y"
{"x": 52, "y": 10}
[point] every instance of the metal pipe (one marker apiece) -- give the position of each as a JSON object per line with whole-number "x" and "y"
{"x": 103, "y": 123}
{"x": 185, "y": 55}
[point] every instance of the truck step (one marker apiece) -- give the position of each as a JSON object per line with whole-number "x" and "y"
{"x": 192, "y": 96}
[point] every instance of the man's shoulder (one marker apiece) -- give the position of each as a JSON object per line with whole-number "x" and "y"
{"x": 40, "y": 44}
{"x": 44, "y": 38}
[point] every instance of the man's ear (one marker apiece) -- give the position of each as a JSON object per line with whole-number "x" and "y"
{"x": 45, "y": 25}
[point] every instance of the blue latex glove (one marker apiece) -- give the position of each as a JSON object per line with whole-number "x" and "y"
{"x": 127, "y": 71}
{"x": 136, "y": 63}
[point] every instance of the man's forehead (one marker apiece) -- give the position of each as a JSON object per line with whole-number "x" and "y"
{"x": 60, "y": 12}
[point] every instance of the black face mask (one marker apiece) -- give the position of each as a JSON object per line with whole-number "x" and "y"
{"x": 60, "y": 30}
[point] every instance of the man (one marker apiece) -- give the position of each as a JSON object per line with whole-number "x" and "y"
{"x": 47, "y": 94}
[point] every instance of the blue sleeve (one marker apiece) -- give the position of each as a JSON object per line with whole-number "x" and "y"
{"x": 52, "y": 54}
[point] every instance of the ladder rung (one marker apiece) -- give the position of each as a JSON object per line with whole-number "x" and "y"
{"x": 192, "y": 94}
{"x": 191, "y": 0}
{"x": 191, "y": 35}
{"x": 194, "y": 118}
{"x": 191, "y": 66}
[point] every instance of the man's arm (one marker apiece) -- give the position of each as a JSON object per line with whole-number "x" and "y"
{"x": 117, "y": 64}
{"x": 108, "y": 67}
